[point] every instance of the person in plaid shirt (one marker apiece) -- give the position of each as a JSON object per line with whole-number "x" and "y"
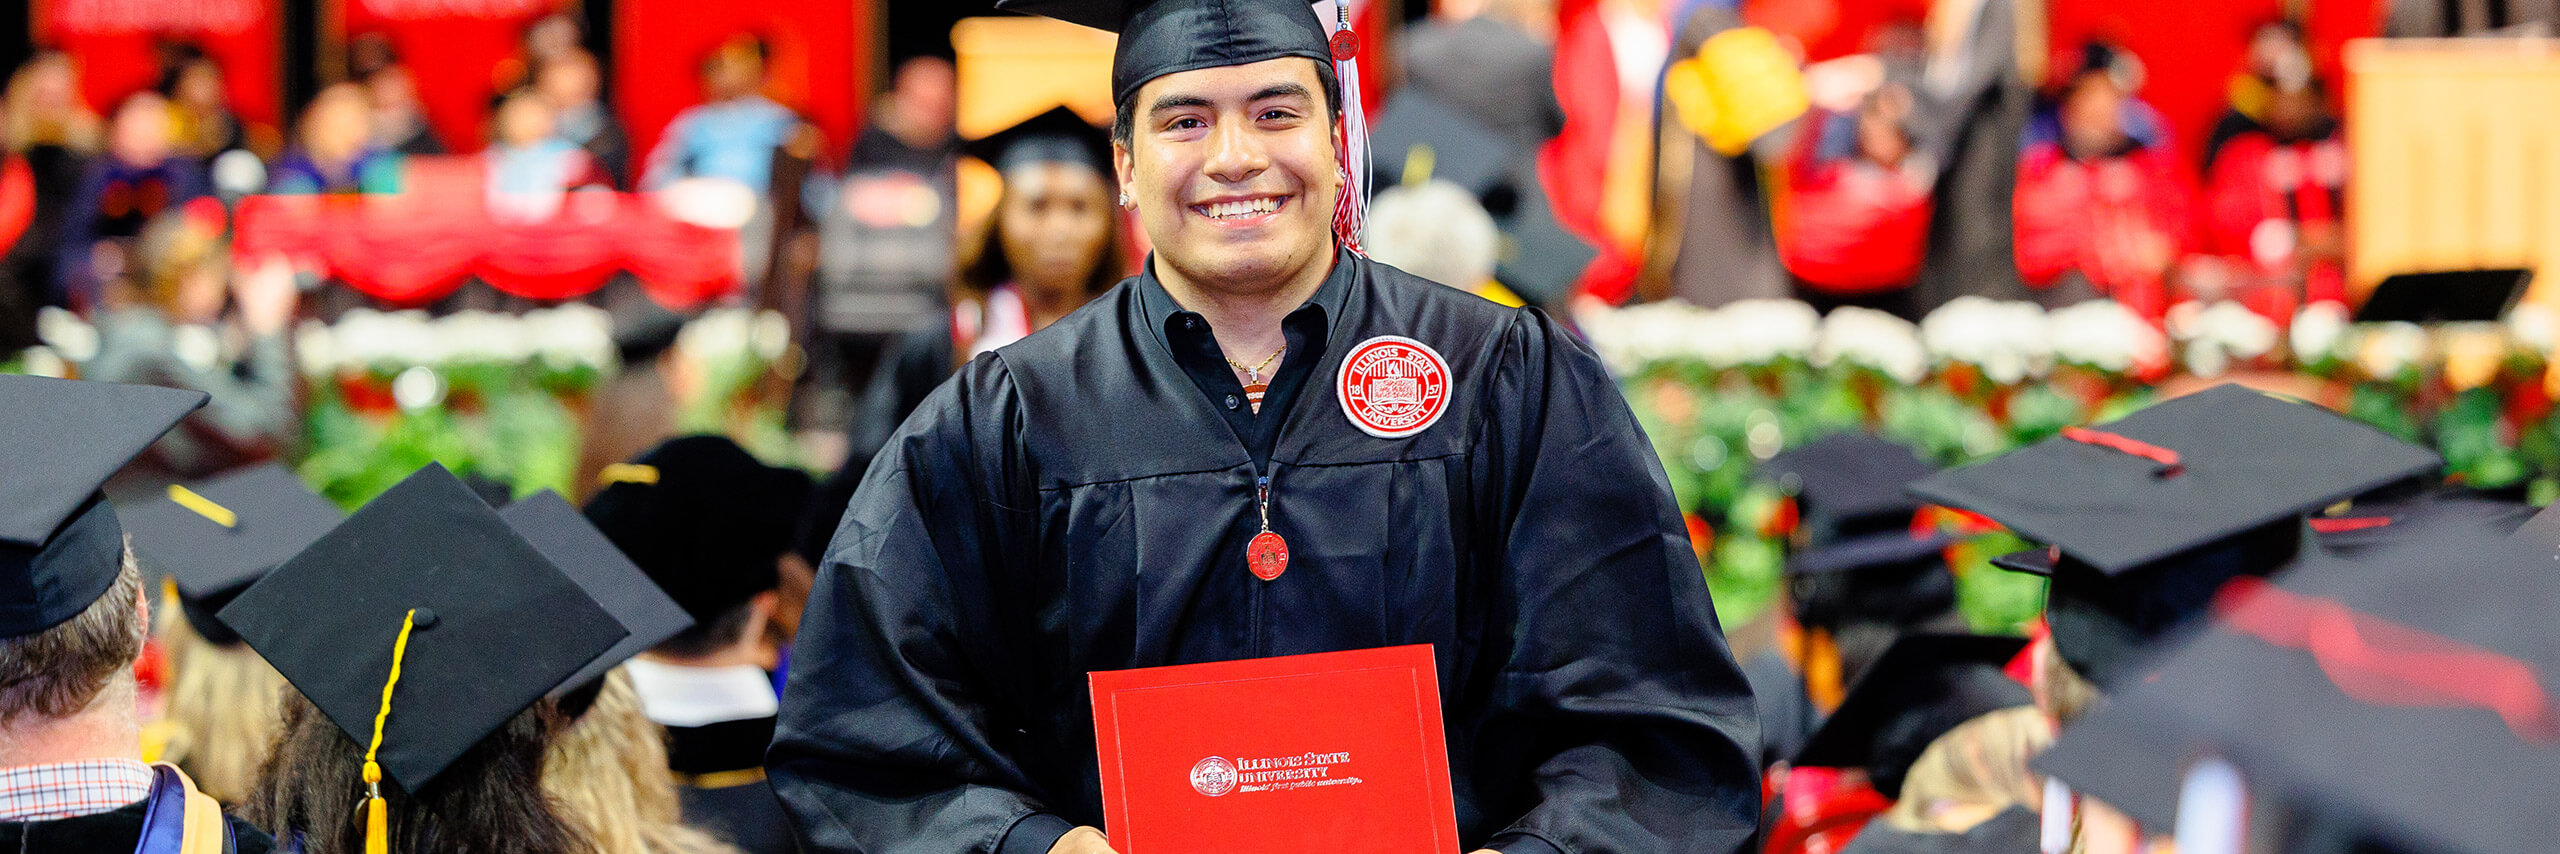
{"x": 72, "y": 623}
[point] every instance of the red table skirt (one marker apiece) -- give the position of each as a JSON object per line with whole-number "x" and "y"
{"x": 413, "y": 249}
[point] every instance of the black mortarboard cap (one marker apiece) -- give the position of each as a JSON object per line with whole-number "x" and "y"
{"x": 1888, "y": 579}
{"x": 1056, "y": 136}
{"x": 1847, "y": 484}
{"x": 60, "y": 544}
{"x": 2450, "y": 296}
{"x": 2153, "y": 513}
{"x": 1882, "y": 550}
{"x": 2245, "y": 459}
{"x": 2371, "y": 526}
{"x": 1540, "y": 260}
{"x": 1160, "y": 37}
{"x": 498, "y": 626}
{"x": 1923, "y": 686}
{"x": 2362, "y": 726}
{"x": 1462, "y": 150}
{"x": 575, "y": 546}
{"x": 216, "y": 537}
{"x": 705, "y": 519}
{"x": 2029, "y": 561}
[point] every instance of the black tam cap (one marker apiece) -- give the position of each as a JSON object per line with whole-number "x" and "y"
{"x": 575, "y": 546}
{"x": 61, "y": 546}
{"x": 1847, "y": 484}
{"x": 1923, "y": 686}
{"x": 1160, "y": 37}
{"x": 2456, "y": 295}
{"x": 2411, "y": 690}
{"x": 216, "y": 537}
{"x": 428, "y": 590}
{"x": 1056, "y": 136}
{"x": 705, "y": 519}
{"x": 2152, "y": 513}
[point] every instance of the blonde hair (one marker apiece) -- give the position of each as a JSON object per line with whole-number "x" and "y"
{"x": 608, "y": 775}
{"x": 224, "y": 710}
{"x": 1974, "y": 772}
{"x": 2060, "y": 691}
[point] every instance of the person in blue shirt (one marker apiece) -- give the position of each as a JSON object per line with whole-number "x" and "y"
{"x": 732, "y": 133}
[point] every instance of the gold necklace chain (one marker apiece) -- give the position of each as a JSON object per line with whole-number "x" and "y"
{"x": 1254, "y": 374}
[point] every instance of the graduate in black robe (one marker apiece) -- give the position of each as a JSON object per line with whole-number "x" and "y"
{"x": 1082, "y": 501}
{"x": 1014, "y": 537}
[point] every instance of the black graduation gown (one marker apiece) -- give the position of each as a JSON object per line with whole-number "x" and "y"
{"x": 1074, "y": 502}
{"x": 2015, "y": 830}
{"x": 742, "y": 811}
{"x": 115, "y": 831}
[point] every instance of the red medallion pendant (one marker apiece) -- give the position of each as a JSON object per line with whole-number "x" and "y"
{"x": 1267, "y": 555}
{"x": 1345, "y": 45}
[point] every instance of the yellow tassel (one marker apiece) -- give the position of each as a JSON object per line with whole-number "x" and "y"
{"x": 377, "y": 832}
{"x": 377, "y": 818}
{"x": 205, "y": 507}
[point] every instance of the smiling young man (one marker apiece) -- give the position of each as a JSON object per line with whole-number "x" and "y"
{"x": 1264, "y": 444}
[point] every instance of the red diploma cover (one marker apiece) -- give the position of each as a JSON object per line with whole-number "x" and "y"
{"x": 1339, "y": 752}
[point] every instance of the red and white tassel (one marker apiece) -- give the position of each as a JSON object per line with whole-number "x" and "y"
{"x": 1350, "y": 212}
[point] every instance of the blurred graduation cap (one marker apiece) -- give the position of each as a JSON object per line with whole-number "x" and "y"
{"x": 1540, "y": 260}
{"x": 2451, "y": 296}
{"x": 704, "y": 519}
{"x": 1847, "y": 484}
{"x": 1923, "y": 686}
{"x": 1889, "y": 580}
{"x": 2409, "y": 691}
{"x": 573, "y": 544}
{"x": 1055, "y": 136}
{"x": 1160, "y": 37}
{"x": 2150, "y": 514}
{"x": 2367, "y": 527}
{"x": 61, "y": 545}
{"x": 216, "y": 537}
{"x": 426, "y": 608}
{"x": 1419, "y": 137}
{"x": 2543, "y": 529}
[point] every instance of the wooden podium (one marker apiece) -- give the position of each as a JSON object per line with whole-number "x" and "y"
{"x": 2456, "y": 157}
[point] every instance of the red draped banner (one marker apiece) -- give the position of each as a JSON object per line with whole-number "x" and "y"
{"x": 415, "y": 248}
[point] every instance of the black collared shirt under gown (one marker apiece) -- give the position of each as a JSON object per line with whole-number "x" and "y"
{"x": 1077, "y": 501}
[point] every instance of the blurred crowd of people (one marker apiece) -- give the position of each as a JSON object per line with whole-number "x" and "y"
{"x": 1620, "y": 154}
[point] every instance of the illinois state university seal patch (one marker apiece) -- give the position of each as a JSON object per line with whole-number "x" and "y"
{"x": 1392, "y": 386}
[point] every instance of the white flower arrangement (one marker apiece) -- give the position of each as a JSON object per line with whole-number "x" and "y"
{"x": 2535, "y": 327}
{"x": 1761, "y": 332}
{"x": 481, "y": 336}
{"x": 70, "y": 337}
{"x": 41, "y": 361}
{"x": 2386, "y": 350}
{"x": 2007, "y": 341}
{"x": 570, "y": 336}
{"x": 386, "y": 340}
{"x": 2104, "y": 336}
{"x": 717, "y": 334}
{"x": 315, "y": 348}
{"x": 2318, "y": 333}
{"x": 1868, "y": 338}
{"x": 2214, "y": 336}
{"x": 1629, "y": 339}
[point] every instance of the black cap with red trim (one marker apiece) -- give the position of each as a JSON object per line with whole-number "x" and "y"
{"x": 2152, "y": 513}
{"x": 2413, "y": 695}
